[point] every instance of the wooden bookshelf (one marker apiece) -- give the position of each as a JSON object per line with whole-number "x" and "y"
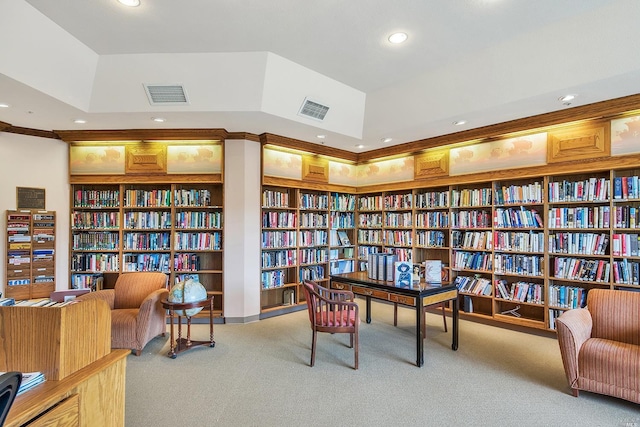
{"x": 30, "y": 271}
{"x": 175, "y": 228}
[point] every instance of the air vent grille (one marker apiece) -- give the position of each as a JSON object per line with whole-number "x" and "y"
{"x": 166, "y": 94}
{"x": 313, "y": 109}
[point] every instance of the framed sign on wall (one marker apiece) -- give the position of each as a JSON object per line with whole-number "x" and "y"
{"x": 30, "y": 198}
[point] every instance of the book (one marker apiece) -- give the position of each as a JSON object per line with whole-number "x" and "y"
{"x": 432, "y": 271}
{"x": 344, "y": 239}
{"x": 403, "y": 274}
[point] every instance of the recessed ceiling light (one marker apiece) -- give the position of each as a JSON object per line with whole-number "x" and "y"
{"x": 567, "y": 98}
{"x": 3, "y": 105}
{"x": 158, "y": 119}
{"x": 321, "y": 136}
{"x": 360, "y": 146}
{"x": 459, "y": 122}
{"x": 386, "y": 140}
{"x": 80, "y": 121}
{"x": 130, "y": 3}
{"x": 397, "y": 38}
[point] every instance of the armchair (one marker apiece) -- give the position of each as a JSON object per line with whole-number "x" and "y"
{"x": 600, "y": 344}
{"x": 331, "y": 311}
{"x": 137, "y": 314}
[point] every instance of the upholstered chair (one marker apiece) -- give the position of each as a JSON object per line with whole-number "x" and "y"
{"x": 137, "y": 314}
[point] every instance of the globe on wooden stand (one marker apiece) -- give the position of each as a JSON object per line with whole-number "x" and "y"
{"x": 187, "y": 291}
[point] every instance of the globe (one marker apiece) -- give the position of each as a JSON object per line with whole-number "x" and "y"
{"x": 188, "y": 291}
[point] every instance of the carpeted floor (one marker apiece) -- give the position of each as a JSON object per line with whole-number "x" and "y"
{"x": 258, "y": 375}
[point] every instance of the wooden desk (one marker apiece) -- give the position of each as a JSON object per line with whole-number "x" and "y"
{"x": 182, "y": 344}
{"x": 91, "y": 397}
{"x": 417, "y": 297}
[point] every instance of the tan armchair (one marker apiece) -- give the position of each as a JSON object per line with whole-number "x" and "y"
{"x": 600, "y": 344}
{"x": 137, "y": 315}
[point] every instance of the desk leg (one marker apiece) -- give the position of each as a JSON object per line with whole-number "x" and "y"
{"x": 419, "y": 337}
{"x": 368, "y": 299}
{"x": 172, "y": 349}
{"x": 454, "y": 338}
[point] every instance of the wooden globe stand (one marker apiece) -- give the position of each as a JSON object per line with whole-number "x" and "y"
{"x": 183, "y": 344}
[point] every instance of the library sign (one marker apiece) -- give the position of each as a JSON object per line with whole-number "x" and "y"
{"x": 30, "y": 198}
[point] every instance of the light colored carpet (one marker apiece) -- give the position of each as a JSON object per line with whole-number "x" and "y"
{"x": 258, "y": 375}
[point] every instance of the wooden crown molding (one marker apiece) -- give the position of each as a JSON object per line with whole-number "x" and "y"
{"x": 142, "y": 134}
{"x": 296, "y": 144}
{"x": 28, "y": 131}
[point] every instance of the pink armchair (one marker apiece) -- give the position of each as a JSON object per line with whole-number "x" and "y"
{"x": 137, "y": 315}
{"x": 600, "y": 344}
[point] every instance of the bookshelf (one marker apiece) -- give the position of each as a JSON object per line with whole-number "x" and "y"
{"x": 370, "y": 227}
{"x": 343, "y": 257}
{"x": 398, "y": 224}
{"x": 175, "y": 228}
{"x": 30, "y": 268}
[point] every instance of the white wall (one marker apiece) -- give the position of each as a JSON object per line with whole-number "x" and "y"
{"x": 242, "y": 197}
{"x": 27, "y": 161}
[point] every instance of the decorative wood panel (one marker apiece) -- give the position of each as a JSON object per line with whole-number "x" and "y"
{"x": 430, "y": 164}
{"x": 315, "y": 169}
{"x": 580, "y": 142}
{"x": 143, "y": 159}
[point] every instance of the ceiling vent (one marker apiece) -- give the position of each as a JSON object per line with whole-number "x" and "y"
{"x": 173, "y": 94}
{"x": 313, "y": 110}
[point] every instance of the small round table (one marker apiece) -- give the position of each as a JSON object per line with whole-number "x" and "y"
{"x": 183, "y": 344}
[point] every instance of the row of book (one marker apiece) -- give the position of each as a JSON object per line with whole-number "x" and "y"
{"x": 343, "y": 202}
{"x": 473, "y": 285}
{"x": 519, "y": 194}
{"x": 95, "y": 262}
{"x": 279, "y": 220}
{"x": 432, "y": 219}
{"x": 347, "y": 253}
{"x": 315, "y": 272}
{"x": 370, "y": 220}
{"x": 83, "y": 220}
{"x": 186, "y": 262}
{"x": 282, "y": 258}
{"x": 197, "y": 241}
{"x": 147, "y": 198}
{"x": 567, "y": 296}
{"x": 147, "y": 241}
{"x": 192, "y": 197}
{"x": 516, "y": 218}
{"x": 147, "y": 220}
{"x": 432, "y": 199}
{"x": 275, "y": 199}
{"x": 313, "y": 220}
{"x": 198, "y": 220}
{"x": 96, "y": 198}
{"x": 591, "y": 189}
{"x": 471, "y": 219}
{"x": 313, "y": 238}
{"x": 579, "y": 217}
{"x": 381, "y": 266}
{"x": 626, "y": 217}
{"x": 370, "y": 237}
{"x": 433, "y": 239}
{"x": 591, "y": 270}
{"x": 370, "y": 203}
{"x": 342, "y": 220}
{"x": 273, "y": 279}
{"x": 314, "y": 201}
{"x": 480, "y": 261}
{"x": 479, "y": 240}
{"x": 532, "y": 293}
{"x": 525, "y": 265}
{"x": 398, "y": 237}
{"x": 398, "y": 201}
{"x": 395, "y": 219}
{"x": 313, "y": 256}
{"x": 578, "y": 243}
{"x": 146, "y": 262}
{"x": 625, "y": 244}
{"x": 626, "y": 187}
{"x": 471, "y": 197}
{"x": 626, "y": 272}
{"x": 278, "y": 239}
{"x": 402, "y": 254}
{"x": 531, "y": 241}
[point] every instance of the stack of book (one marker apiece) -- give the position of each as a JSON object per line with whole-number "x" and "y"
{"x": 30, "y": 380}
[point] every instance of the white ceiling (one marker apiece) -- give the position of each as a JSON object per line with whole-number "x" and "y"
{"x": 247, "y": 65}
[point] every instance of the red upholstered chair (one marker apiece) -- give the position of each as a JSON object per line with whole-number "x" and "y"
{"x": 600, "y": 344}
{"x": 137, "y": 315}
{"x": 331, "y": 311}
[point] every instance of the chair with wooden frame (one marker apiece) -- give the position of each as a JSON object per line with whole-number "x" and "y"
{"x": 331, "y": 311}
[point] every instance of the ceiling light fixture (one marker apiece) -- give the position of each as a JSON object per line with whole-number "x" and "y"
{"x": 321, "y": 136}
{"x": 386, "y": 140}
{"x": 130, "y": 3}
{"x": 80, "y": 121}
{"x": 567, "y": 98}
{"x": 3, "y": 105}
{"x": 397, "y": 38}
{"x": 459, "y": 122}
{"x": 359, "y": 146}
{"x": 158, "y": 119}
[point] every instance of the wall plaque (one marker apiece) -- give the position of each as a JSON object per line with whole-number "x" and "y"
{"x": 30, "y": 198}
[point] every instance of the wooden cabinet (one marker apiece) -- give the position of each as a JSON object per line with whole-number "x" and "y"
{"x": 175, "y": 228}
{"x": 30, "y": 254}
